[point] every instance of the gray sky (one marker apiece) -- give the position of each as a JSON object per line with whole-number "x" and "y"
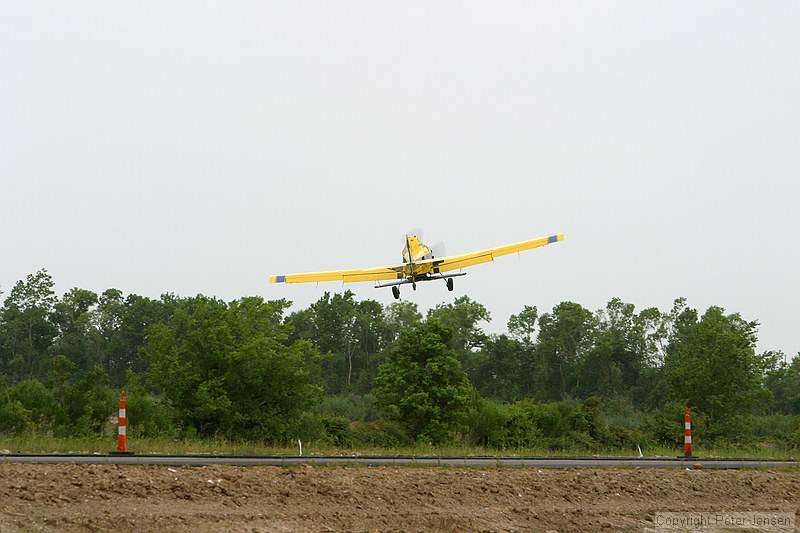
{"x": 198, "y": 147}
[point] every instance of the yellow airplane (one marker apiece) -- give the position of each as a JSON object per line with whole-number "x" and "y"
{"x": 419, "y": 264}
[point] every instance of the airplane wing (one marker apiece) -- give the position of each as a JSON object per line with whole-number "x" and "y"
{"x": 347, "y": 276}
{"x": 455, "y": 262}
{"x": 424, "y": 267}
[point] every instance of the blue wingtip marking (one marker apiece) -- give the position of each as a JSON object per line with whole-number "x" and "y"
{"x": 280, "y": 279}
{"x": 552, "y": 239}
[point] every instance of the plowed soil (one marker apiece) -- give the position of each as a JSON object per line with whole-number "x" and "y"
{"x": 319, "y": 499}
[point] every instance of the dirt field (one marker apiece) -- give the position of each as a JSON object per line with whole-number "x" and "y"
{"x": 320, "y": 499}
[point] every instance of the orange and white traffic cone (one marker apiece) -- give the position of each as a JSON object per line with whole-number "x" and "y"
{"x": 687, "y": 434}
{"x": 122, "y": 441}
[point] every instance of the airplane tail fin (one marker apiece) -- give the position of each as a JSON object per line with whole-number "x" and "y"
{"x": 414, "y": 250}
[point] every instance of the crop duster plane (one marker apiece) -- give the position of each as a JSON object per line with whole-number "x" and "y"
{"x": 419, "y": 264}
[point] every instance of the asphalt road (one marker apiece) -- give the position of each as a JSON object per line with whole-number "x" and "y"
{"x": 470, "y": 462}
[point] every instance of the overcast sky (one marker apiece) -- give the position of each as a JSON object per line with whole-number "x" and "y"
{"x": 198, "y": 147}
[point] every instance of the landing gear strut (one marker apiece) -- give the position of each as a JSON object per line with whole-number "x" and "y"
{"x": 396, "y": 292}
{"x": 449, "y": 283}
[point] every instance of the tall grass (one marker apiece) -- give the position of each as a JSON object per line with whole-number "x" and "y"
{"x": 40, "y": 444}
{"x": 43, "y": 444}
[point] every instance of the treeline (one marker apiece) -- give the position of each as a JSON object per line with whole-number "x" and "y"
{"x": 357, "y": 373}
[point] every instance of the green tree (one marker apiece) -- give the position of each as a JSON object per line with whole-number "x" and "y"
{"x": 26, "y": 331}
{"x": 522, "y": 325}
{"x": 330, "y": 327}
{"x": 61, "y": 370}
{"x": 371, "y": 336}
{"x": 401, "y": 316}
{"x": 227, "y": 369}
{"x": 711, "y": 363}
{"x": 463, "y": 317}
{"x": 565, "y": 335}
{"x": 501, "y": 373}
{"x": 423, "y": 386}
{"x": 122, "y": 324}
{"x": 77, "y": 337}
{"x": 626, "y": 344}
{"x": 349, "y": 334}
{"x": 783, "y": 380}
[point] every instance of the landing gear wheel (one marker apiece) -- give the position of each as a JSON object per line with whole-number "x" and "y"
{"x": 414, "y": 286}
{"x": 396, "y": 292}
{"x": 449, "y": 283}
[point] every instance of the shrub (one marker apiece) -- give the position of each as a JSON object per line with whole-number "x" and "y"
{"x": 14, "y": 418}
{"x": 350, "y": 406}
{"x": 34, "y": 407}
{"x": 147, "y": 415}
{"x": 90, "y": 403}
{"x": 380, "y": 434}
{"x": 337, "y": 430}
{"x": 489, "y": 416}
{"x": 517, "y": 430}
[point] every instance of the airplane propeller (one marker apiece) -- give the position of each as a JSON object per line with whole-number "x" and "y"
{"x": 439, "y": 249}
